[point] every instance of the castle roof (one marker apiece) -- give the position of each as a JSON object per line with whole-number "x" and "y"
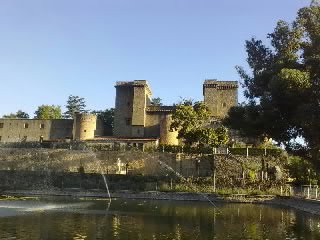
{"x": 134, "y": 83}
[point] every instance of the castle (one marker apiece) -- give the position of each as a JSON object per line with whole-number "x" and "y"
{"x": 136, "y": 119}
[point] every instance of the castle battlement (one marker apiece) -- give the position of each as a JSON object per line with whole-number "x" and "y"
{"x": 154, "y": 108}
{"x": 134, "y": 83}
{"x": 214, "y": 83}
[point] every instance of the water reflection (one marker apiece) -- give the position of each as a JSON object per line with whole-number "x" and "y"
{"x": 155, "y": 220}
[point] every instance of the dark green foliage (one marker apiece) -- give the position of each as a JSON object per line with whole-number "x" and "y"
{"x": 156, "y": 101}
{"x": 189, "y": 120}
{"x": 302, "y": 171}
{"x": 18, "y": 114}
{"x": 283, "y": 87}
{"x": 74, "y": 104}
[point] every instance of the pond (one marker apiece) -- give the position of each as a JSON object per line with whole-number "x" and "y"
{"x": 61, "y": 218}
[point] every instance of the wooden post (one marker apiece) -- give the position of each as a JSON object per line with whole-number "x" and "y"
{"x": 247, "y": 152}
{"x": 214, "y": 180}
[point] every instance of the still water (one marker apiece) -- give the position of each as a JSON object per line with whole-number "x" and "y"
{"x": 139, "y": 219}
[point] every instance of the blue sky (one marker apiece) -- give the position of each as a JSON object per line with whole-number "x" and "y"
{"x": 50, "y": 49}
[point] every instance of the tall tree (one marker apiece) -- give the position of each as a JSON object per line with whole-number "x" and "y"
{"x": 18, "y": 114}
{"x": 156, "y": 101}
{"x": 48, "y": 112}
{"x": 74, "y": 104}
{"x": 283, "y": 88}
{"x": 189, "y": 119}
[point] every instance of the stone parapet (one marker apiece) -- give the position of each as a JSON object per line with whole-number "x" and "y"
{"x": 154, "y": 108}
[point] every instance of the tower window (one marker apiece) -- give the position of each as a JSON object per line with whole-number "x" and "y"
{"x": 41, "y": 125}
{"x": 26, "y": 125}
{"x": 224, "y": 104}
{"x": 0, "y": 138}
{"x": 128, "y": 121}
{"x": 1, "y": 125}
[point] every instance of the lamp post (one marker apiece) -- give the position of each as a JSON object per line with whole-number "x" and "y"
{"x": 309, "y": 173}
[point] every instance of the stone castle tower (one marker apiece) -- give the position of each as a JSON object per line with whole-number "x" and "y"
{"x": 84, "y": 126}
{"x": 220, "y": 96}
{"x": 136, "y": 117}
{"x": 132, "y": 99}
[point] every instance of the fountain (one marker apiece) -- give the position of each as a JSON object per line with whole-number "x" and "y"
{"x": 167, "y": 167}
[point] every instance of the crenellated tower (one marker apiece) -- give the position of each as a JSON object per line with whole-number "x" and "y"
{"x": 132, "y": 98}
{"x": 220, "y": 96}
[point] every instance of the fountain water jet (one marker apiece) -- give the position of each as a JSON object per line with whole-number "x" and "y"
{"x": 167, "y": 167}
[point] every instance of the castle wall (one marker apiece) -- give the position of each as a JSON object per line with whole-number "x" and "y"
{"x": 101, "y": 130}
{"x": 152, "y": 128}
{"x": 138, "y": 107}
{"x": 123, "y": 112}
{"x": 17, "y": 130}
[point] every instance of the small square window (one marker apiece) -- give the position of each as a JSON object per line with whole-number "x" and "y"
{"x": 41, "y": 125}
{"x": 26, "y": 125}
{"x": 128, "y": 121}
{"x": 1, "y": 125}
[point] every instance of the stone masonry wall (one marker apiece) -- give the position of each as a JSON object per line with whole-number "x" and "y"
{"x": 220, "y": 98}
{"x": 17, "y": 130}
{"x": 152, "y": 127}
{"x": 123, "y": 111}
{"x": 230, "y": 170}
{"x": 139, "y": 105}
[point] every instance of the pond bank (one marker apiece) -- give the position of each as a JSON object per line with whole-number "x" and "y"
{"x": 306, "y": 205}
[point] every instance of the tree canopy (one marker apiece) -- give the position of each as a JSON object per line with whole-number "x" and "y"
{"x": 190, "y": 119}
{"x": 74, "y": 104}
{"x": 48, "y": 112}
{"x": 283, "y": 86}
{"x": 18, "y": 114}
{"x": 156, "y": 101}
